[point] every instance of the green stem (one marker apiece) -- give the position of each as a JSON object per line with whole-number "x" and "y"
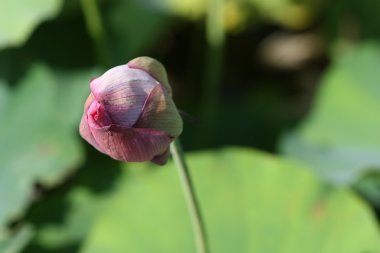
{"x": 213, "y": 69}
{"x": 95, "y": 29}
{"x": 191, "y": 200}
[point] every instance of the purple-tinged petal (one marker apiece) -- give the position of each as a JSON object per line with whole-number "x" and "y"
{"x": 86, "y": 134}
{"x": 160, "y": 113}
{"x": 154, "y": 68}
{"x": 97, "y": 116}
{"x": 130, "y": 115}
{"x": 88, "y": 102}
{"x": 161, "y": 159}
{"x": 131, "y": 144}
{"x": 123, "y": 92}
{"x": 84, "y": 128}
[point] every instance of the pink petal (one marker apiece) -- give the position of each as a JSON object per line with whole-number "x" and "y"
{"x": 86, "y": 134}
{"x": 123, "y": 92}
{"x": 160, "y": 113}
{"x": 88, "y": 102}
{"x": 131, "y": 144}
{"x": 97, "y": 116}
{"x": 84, "y": 128}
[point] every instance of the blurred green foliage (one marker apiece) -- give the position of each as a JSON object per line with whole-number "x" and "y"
{"x": 340, "y": 138}
{"x": 298, "y": 76}
{"x": 19, "y": 18}
{"x": 248, "y": 202}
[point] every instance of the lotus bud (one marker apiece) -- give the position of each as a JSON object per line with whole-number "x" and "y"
{"x": 130, "y": 114}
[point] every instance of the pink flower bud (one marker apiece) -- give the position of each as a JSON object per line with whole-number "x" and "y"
{"x": 130, "y": 114}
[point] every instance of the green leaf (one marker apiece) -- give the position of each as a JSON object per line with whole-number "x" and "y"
{"x": 18, "y": 18}
{"x": 369, "y": 186}
{"x": 83, "y": 208}
{"x": 252, "y": 202}
{"x": 15, "y": 243}
{"x": 39, "y": 139}
{"x": 4, "y": 99}
{"x": 73, "y": 89}
{"x": 340, "y": 139}
{"x": 65, "y": 215}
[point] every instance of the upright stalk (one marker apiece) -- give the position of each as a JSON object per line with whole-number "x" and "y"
{"x": 213, "y": 70}
{"x": 95, "y": 29}
{"x": 191, "y": 199}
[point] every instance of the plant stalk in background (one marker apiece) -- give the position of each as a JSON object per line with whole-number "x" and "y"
{"x": 213, "y": 69}
{"x": 191, "y": 199}
{"x": 95, "y": 29}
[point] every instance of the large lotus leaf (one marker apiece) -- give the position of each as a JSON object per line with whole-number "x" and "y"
{"x": 73, "y": 89}
{"x": 4, "y": 99}
{"x": 369, "y": 186}
{"x": 341, "y": 137}
{"x": 65, "y": 216}
{"x": 252, "y": 202}
{"x": 83, "y": 208}
{"x": 39, "y": 140}
{"x": 18, "y": 18}
{"x": 15, "y": 242}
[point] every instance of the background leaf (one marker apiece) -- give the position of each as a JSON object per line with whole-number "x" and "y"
{"x": 4, "y": 99}
{"x": 54, "y": 191}
{"x": 14, "y": 243}
{"x": 340, "y": 138}
{"x": 65, "y": 216}
{"x": 83, "y": 208}
{"x": 39, "y": 138}
{"x": 252, "y": 202}
{"x": 18, "y": 18}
